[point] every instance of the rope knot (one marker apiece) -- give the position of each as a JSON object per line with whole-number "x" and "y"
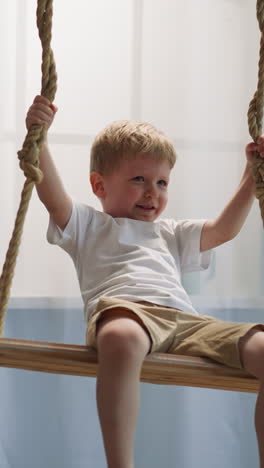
{"x": 32, "y": 173}
{"x": 29, "y": 161}
{"x": 257, "y": 169}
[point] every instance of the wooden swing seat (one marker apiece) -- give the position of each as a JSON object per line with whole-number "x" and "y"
{"x": 158, "y": 368}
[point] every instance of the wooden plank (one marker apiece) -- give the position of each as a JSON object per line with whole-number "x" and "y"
{"x": 158, "y": 368}
{"x": 196, "y": 372}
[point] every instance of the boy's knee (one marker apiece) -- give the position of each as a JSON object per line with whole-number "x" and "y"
{"x": 251, "y": 347}
{"x": 120, "y": 331}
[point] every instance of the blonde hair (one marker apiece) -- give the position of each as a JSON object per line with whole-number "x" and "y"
{"x": 124, "y": 139}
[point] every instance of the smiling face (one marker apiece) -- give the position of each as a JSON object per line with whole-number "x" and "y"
{"x": 138, "y": 189}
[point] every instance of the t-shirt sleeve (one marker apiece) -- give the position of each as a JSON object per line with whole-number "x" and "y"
{"x": 71, "y": 238}
{"x": 189, "y": 238}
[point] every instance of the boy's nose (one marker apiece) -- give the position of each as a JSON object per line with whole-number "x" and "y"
{"x": 149, "y": 193}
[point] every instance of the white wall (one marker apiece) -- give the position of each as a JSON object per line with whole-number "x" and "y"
{"x": 188, "y": 67}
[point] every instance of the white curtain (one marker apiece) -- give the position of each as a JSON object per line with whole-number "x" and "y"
{"x": 190, "y": 68}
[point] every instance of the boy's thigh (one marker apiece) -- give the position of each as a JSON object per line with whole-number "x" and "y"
{"x": 251, "y": 347}
{"x": 158, "y": 322}
{"x": 119, "y": 323}
{"x": 205, "y": 336}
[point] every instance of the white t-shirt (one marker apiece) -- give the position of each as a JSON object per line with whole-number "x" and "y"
{"x": 131, "y": 259}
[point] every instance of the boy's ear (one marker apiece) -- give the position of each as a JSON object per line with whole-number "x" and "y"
{"x": 97, "y": 183}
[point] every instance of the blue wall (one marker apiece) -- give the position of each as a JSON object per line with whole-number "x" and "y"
{"x": 51, "y": 420}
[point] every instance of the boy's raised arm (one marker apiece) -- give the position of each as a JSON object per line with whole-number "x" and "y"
{"x": 230, "y": 221}
{"x": 51, "y": 190}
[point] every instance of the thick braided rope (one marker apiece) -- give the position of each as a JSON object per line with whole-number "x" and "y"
{"x": 28, "y": 156}
{"x": 255, "y": 114}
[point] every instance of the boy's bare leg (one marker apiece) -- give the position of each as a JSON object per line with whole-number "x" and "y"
{"x": 259, "y": 423}
{"x": 252, "y": 354}
{"x": 122, "y": 346}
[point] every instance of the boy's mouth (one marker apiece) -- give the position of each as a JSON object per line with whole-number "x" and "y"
{"x": 147, "y": 208}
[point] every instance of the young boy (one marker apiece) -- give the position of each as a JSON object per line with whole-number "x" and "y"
{"x": 129, "y": 266}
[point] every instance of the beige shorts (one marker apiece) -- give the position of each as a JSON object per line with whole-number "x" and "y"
{"x": 176, "y": 332}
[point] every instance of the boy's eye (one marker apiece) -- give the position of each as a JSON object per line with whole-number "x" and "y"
{"x": 163, "y": 182}
{"x": 160, "y": 182}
